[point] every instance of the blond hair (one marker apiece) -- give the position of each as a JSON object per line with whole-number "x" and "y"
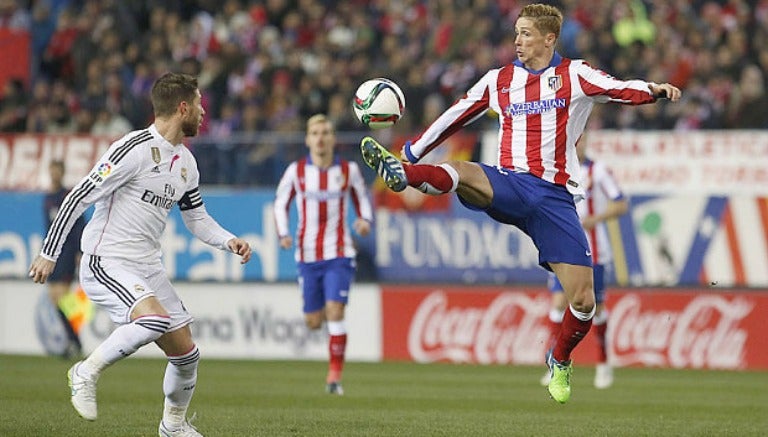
{"x": 319, "y": 118}
{"x": 546, "y": 19}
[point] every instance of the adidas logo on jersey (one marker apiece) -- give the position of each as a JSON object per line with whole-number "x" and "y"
{"x": 155, "y": 169}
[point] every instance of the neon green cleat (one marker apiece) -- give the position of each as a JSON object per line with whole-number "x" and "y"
{"x": 560, "y": 383}
{"x": 385, "y": 163}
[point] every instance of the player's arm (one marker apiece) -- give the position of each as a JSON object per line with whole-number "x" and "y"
{"x": 463, "y": 112}
{"x": 206, "y": 229}
{"x": 606, "y": 88}
{"x": 283, "y": 195}
{"x": 118, "y": 165}
{"x": 203, "y": 226}
{"x": 359, "y": 195}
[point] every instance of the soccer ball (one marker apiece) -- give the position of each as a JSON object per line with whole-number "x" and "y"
{"x": 379, "y": 103}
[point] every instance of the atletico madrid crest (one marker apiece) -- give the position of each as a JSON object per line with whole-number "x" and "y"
{"x": 555, "y": 82}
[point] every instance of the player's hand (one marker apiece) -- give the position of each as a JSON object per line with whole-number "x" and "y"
{"x": 362, "y": 227}
{"x": 666, "y": 90}
{"x": 40, "y": 269}
{"x": 240, "y": 247}
{"x": 286, "y": 242}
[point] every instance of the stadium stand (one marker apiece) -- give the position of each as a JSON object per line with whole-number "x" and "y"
{"x": 264, "y": 66}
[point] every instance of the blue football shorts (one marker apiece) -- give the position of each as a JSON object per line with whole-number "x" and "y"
{"x": 598, "y": 275}
{"x": 324, "y": 281}
{"x": 543, "y": 210}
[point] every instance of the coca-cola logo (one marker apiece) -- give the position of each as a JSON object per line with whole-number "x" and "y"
{"x": 508, "y": 330}
{"x": 703, "y": 334}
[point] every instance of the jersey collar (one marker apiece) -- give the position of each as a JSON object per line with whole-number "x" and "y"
{"x": 556, "y": 60}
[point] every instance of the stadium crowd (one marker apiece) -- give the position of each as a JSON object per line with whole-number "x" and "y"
{"x": 265, "y": 66}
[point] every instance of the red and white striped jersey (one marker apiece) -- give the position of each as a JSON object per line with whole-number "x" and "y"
{"x": 542, "y": 114}
{"x": 601, "y": 189}
{"x": 322, "y": 232}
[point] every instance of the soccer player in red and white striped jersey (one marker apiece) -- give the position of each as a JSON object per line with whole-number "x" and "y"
{"x": 603, "y": 201}
{"x": 321, "y": 184}
{"x": 543, "y": 101}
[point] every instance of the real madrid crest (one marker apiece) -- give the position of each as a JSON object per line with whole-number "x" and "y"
{"x": 184, "y": 174}
{"x": 156, "y": 155}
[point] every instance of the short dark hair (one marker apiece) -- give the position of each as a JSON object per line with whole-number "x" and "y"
{"x": 170, "y": 90}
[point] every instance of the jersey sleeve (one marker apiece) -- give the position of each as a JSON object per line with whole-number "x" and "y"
{"x": 605, "y": 182}
{"x": 196, "y": 217}
{"x": 119, "y": 165}
{"x": 604, "y": 88}
{"x": 359, "y": 193}
{"x": 283, "y": 196}
{"x": 463, "y": 112}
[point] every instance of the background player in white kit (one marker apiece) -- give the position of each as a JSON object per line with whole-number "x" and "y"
{"x": 603, "y": 201}
{"x": 321, "y": 183}
{"x": 134, "y": 186}
{"x": 543, "y": 101}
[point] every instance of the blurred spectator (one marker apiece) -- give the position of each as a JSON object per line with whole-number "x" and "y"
{"x": 13, "y": 107}
{"x": 110, "y": 124}
{"x": 294, "y": 58}
{"x": 749, "y": 101}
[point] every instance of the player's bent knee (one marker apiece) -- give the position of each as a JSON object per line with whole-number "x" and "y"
{"x": 187, "y": 361}
{"x": 156, "y": 325}
{"x": 313, "y": 323}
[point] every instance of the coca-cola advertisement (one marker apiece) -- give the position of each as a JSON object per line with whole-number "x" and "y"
{"x": 702, "y": 329}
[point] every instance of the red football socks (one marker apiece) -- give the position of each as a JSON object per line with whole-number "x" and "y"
{"x": 434, "y": 175}
{"x": 337, "y": 345}
{"x": 572, "y": 331}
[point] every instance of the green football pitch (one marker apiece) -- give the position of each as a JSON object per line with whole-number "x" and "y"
{"x": 287, "y": 398}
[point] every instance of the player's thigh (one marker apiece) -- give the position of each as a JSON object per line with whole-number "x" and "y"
{"x": 115, "y": 285}
{"x": 337, "y": 279}
{"x": 311, "y": 286}
{"x": 176, "y": 342}
{"x": 168, "y": 297}
{"x": 474, "y": 186}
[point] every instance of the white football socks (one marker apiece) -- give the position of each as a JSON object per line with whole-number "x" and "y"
{"x": 122, "y": 342}
{"x": 179, "y": 386}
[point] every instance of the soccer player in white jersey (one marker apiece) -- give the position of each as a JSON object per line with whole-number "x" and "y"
{"x": 134, "y": 186}
{"x": 603, "y": 201}
{"x": 543, "y": 101}
{"x": 325, "y": 253}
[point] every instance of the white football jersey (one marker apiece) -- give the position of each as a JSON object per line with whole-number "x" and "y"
{"x": 601, "y": 188}
{"x": 134, "y": 186}
{"x": 542, "y": 115}
{"x": 322, "y": 232}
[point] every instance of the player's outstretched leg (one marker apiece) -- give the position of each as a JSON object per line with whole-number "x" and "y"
{"x": 560, "y": 378}
{"x": 386, "y": 164}
{"x": 83, "y": 393}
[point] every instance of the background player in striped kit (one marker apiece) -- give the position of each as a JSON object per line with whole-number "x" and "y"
{"x": 325, "y": 252}
{"x": 543, "y": 101}
{"x": 60, "y": 280}
{"x": 134, "y": 185}
{"x": 603, "y": 201}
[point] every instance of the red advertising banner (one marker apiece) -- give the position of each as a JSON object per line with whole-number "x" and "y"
{"x": 695, "y": 328}
{"x": 24, "y": 158}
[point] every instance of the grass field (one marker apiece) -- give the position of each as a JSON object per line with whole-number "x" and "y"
{"x": 286, "y": 398}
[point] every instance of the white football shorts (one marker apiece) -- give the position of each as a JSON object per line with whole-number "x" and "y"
{"x": 117, "y": 285}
